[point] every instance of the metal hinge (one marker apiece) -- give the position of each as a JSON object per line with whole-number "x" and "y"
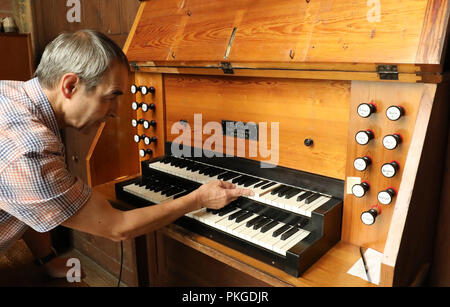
{"x": 135, "y": 66}
{"x": 388, "y": 72}
{"x": 227, "y": 68}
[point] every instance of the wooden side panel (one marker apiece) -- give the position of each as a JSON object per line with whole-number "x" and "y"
{"x": 180, "y": 265}
{"x": 155, "y": 80}
{"x": 16, "y": 57}
{"x": 112, "y": 17}
{"x": 419, "y": 226}
{"x": 383, "y": 95}
{"x": 434, "y": 33}
{"x": 440, "y": 269}
{"x": 113, "y": 152}
{"x": 298, "y": 31}
{"x": 302, "y": 109}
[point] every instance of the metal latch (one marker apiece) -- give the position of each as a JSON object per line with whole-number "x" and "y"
{"x": 134, "y": 65}
{"x": 227, "y": 68}
{"x": 388, "y": 72}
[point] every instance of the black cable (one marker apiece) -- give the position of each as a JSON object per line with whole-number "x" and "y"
{"x": 121, "y": 263}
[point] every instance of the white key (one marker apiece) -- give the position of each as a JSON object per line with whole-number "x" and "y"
{"x": 199, "y": 214}
{"x": 298, "y": 237}
{"x": 278, "y": 247}
{"x": 221, "y": 224}
{"x": 234, "y": 228}
{"x": 259, "y": 192}
{"x": 315, "y": 204}
{"x": 228, "y": 224}
{"x": 303, "y": 209}
{"x": 191, "y": 214}
{"x": 269, "y": 242}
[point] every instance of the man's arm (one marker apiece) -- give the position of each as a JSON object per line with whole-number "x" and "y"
{"x": 99, "y": 218}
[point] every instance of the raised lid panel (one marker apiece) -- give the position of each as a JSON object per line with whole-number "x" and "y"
{"x": 297, "y": 31}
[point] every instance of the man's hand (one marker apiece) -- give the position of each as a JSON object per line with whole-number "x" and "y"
{"x": 216, "y": 194}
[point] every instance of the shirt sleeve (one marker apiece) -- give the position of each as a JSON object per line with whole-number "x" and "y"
{"x": 38, "y": 190}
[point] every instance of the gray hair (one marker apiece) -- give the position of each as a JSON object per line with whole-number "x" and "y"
{"x": 87, "y": 53}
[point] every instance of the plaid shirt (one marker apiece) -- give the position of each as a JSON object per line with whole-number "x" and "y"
{"x": 36, "y": 189}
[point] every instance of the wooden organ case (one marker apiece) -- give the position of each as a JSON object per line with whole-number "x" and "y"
{"x": 352, "y": 100}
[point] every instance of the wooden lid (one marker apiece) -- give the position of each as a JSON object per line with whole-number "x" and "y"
{"x": 297, "y": 32}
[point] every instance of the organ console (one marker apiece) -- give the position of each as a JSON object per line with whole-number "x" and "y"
{"x": 366, "y": 97}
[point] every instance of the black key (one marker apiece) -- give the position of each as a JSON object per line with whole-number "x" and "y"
{"x": 272, "y": 213}
{"x": 292, "y": 193}
{"x": 282, "y": 192}
{"x": 261, "y": 223}
{"x": 251, "y": 181}
{"x": 181, "y": 194}
{"x": 276, "y": 190}
{"x": 235, "y": 180}
{"x": 226, "y": 210}
{"x": 168, "y": 189}
{"x": 260, "y": 184}
{"x": 160, "y": 187}
{"x": 245, "y": 203}
{"x": 213, "y": 211}
{"x": 289, "y": 233}
{"x": 222, "y": 175}
{"x": 254, "y": 220}
{"x": 216, "y": 172}
{"x": 206, "y": 171}
{"x": 280, "y": 230}
{"x": 265, "y": 187}
{"x": 236, "y": 214}
{"x": 303, "y": 196}
{"x": 269, "y": 226}
{"x": 243, "y": 217}
{"x": 175, "y": 191}
{"x": 242, "y": 180}
{"x": 303, "y": 221}
{"x": 312, "y": 198}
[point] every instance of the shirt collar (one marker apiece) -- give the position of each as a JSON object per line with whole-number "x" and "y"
{"x": 34, "y": 91}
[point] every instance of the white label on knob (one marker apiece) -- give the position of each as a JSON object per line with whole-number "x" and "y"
{"x": 133, "y": 89}
{"x": 144, "y": 90}
{"x": 146, "y": 124}
{"x": 367, "y": 218}
{"x": 351, "y": 181}
{"x": 384, "y": 198}
{"x": 134, "y": 123}
{"x": 135, "y": 106}
{"x": 360, "y": 164}
{"x": 362, "y": 138}
{"x": 144, "y": 107}
{"x": 358, "y": 190}
{"x": 388, "y": 170}
{"x": 137, "y": 138}
{"x": 393, "y": 113}
{"x": 147, "y": 140}
{"x": 364, "y": 110}
{"x": 389, "y": 142}
{"x": 142, "y": 153}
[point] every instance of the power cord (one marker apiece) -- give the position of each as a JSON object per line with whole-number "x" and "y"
{"x": 121, "y": 263}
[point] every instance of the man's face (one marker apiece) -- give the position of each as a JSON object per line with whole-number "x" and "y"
{"x": 88, "y": 109}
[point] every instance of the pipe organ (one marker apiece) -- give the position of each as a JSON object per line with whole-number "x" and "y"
{"x": 332, "y": 112}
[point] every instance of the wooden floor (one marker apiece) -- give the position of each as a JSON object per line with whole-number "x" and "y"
{"x": 17, "y": 269}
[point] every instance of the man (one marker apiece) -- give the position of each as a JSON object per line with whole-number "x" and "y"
{"x": 79, "y": 81}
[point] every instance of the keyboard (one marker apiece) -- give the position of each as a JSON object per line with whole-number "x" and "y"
{"x": 282, "y": 224}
